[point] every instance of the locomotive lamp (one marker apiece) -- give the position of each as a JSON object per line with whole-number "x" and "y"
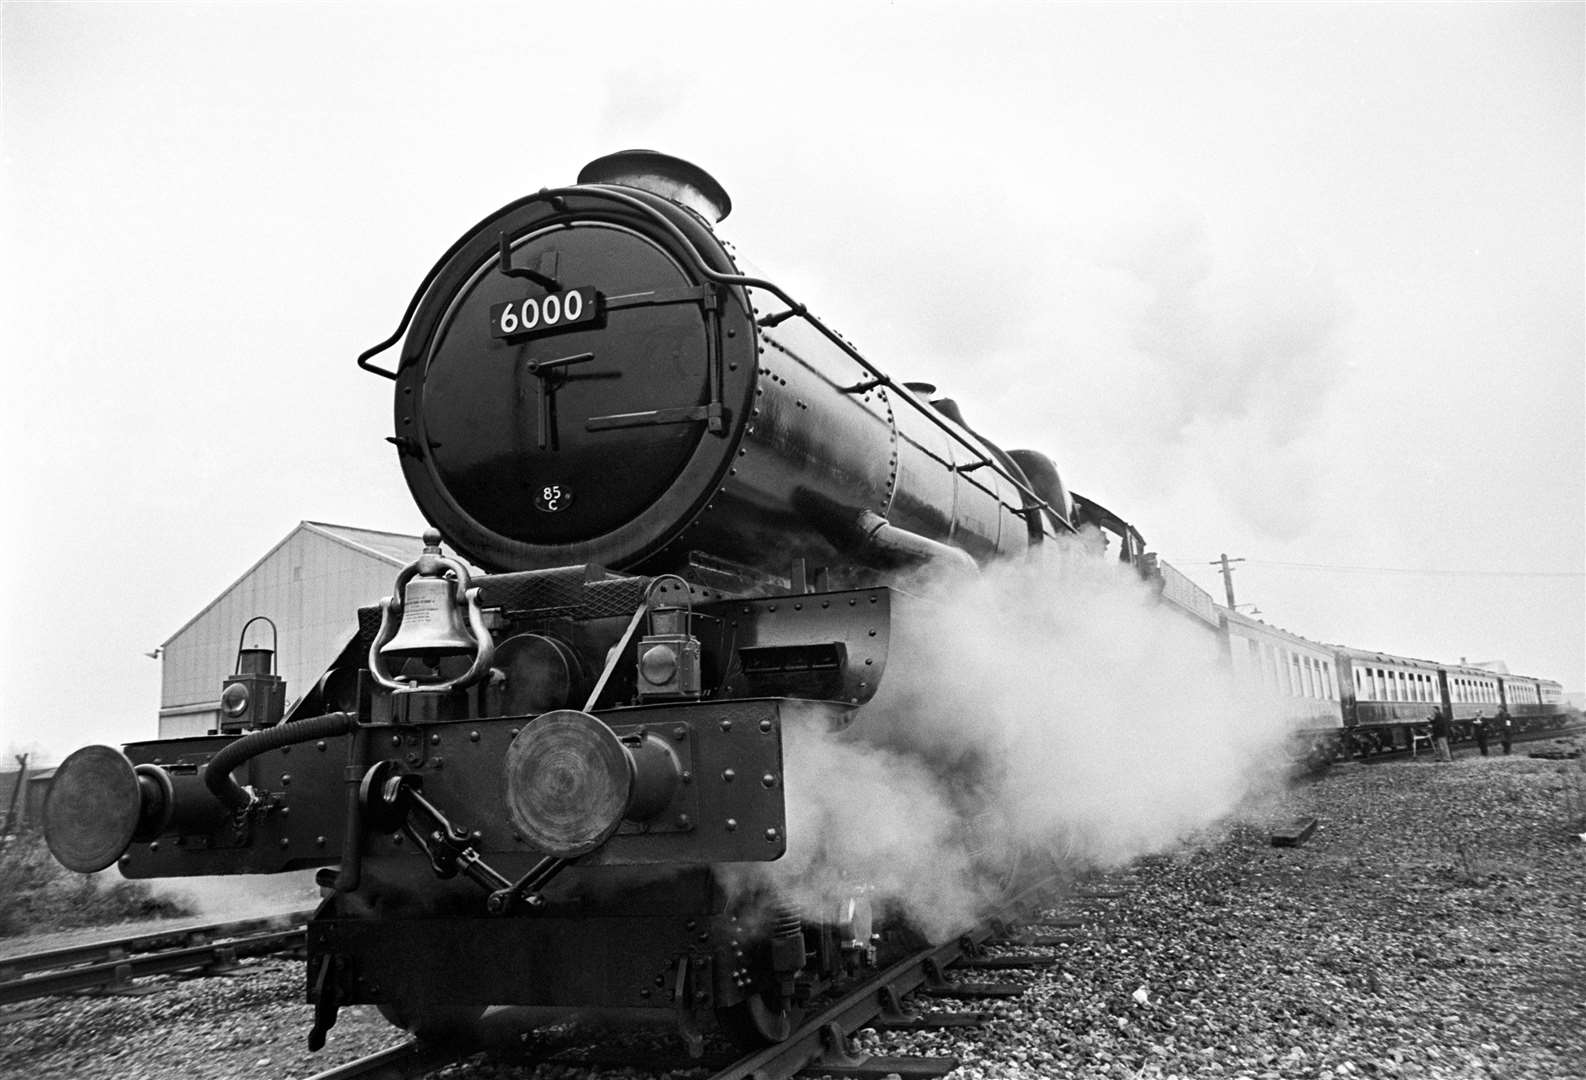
{"x": 424, "y": 621}
{"x": 669, "y": 657}
{"x": 253, "y": 696}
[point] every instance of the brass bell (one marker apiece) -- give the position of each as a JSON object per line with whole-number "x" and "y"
{"x": 431, "y": 613}
{"x": 432, "y": 623}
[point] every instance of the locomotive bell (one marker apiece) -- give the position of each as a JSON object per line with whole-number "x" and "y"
{"x": 431, "y": 610}
{"x": 432, "y": 621}
{"x": 433, "y": 616}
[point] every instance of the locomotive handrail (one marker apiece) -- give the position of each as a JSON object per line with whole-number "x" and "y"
{"x": 434, "y": 272}
{"x": 801, "y": 311}
{"x": 557, "y": 198}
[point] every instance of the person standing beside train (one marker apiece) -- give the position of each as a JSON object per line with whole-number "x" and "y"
{"x": 1505, "y": 728}
{"x": 1479, "y": 727}
{"x": 1440, "y": 733}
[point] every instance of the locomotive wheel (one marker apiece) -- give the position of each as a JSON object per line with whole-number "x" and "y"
{"x": 762, "y": 1019}
{"x": 436, "y": 1023}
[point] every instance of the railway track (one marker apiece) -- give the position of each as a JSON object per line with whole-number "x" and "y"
{"x": 823, "y": 1043}
{"x": 116, "y": 964}
{"x": 1520, "y": 738}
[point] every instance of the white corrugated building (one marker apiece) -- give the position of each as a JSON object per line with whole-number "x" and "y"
{"x": 310, "y": 586}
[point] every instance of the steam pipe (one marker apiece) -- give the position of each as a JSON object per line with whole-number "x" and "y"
{"x": 881, "y": 535}
{"x": 217, "y": 774}
{"x": 350, "y": 873}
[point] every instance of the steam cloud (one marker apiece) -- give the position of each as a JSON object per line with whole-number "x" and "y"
{"x": 1038, "y": 710}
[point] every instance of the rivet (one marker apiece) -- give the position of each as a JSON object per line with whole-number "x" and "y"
{"x": 473, "y": 736}
{"x": 320, "y": 746}
{"x": 765, "y": 726}
{"x": 285, "y": 843}
{"x": 319, "y": 841}
{"x": 728, "y": 775}
{"x": 772, "y": 835}
{"x": 154, "y": 846}
{"x": 396, "y": 740}
{"x": 768, "y": 780}
{"x": 680, "y": 733}
{"x": 435, "y": 739}
{"x": 726, "y": 725}
{"x": 286, "y": 778}
{"x": 684, "y": 821}
{"x": 732, "y": 824}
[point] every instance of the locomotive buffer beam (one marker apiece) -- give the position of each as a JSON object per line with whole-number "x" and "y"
{"x": 392, "y": 801}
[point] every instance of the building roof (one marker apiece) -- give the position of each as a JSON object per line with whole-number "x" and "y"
{"x": 397, "y": 549}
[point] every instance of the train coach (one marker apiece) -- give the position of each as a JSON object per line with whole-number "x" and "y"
{"x": 1291, "y": 680}
{"x": 1386, "y": 700}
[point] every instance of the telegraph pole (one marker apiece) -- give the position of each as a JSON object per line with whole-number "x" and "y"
{"x": 1228, "y": 577}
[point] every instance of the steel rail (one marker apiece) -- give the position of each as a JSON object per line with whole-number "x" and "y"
{"x": 14, "y": 966}
{"x": 405, "y": 1062}
{"x": 823, "y": 1035}
{"x": 122, "y": 970}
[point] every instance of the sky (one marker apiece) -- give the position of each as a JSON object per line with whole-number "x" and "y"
{"x": 1298, "y": 283}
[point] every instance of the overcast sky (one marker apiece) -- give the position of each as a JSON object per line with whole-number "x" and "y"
{"x": 1302, "y": 284}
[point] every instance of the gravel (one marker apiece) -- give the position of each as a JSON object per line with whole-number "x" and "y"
{"x": 1433, "y": 926}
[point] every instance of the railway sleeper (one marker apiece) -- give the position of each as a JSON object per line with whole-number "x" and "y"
{"x": 837, "y": 1058}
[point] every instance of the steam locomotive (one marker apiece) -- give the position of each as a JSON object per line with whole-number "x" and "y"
{"x": 522, "y": 785}
{"x": 689, "y": 521}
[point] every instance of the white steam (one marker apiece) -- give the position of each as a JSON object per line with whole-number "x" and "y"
{"x": 1037, "y": 710}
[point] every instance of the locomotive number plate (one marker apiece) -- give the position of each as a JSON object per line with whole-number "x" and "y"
{"x": 544, "y": 314}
